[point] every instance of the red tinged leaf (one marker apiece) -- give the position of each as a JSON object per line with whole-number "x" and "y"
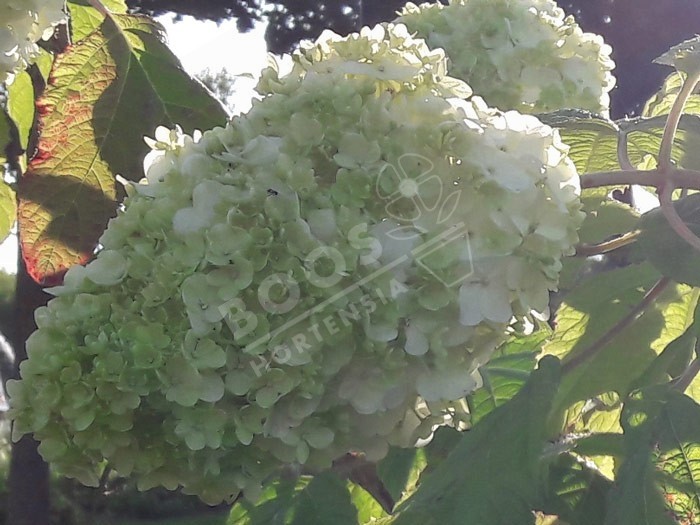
{"x": 104, "y": 95}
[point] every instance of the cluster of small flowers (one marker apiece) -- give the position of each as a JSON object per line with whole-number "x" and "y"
{"x": 22, "y": 24}
{"x": 324, "y": 275}
{"x": 518, "y": 54}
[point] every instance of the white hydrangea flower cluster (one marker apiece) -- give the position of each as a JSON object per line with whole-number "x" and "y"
{"x": 22, "y": 24}
{"x": 323, "y": 275}
{"x": 524, "y": 55}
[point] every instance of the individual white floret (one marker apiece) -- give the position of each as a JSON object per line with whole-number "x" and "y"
{"x": 22, "y": 24}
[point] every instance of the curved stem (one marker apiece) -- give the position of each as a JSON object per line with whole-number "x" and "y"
{"x": 682, "y": 382}
{"x": 590, "y": 352}
{"x": 674, "y": 118}
{"x": 587, "y": 250}
{"x": 674, "y": 220}
{"x": 681, "y": 178}
{"x": 622, "y": 156}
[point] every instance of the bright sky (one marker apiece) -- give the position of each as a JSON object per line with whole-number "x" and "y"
{"x": 199, "y": 45}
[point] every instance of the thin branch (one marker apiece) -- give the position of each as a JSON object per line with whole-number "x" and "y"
{"x": 620, "y": 178}
{"x": 590, "y": 352}
{"x": 682, "y": 382}
{"x": 588, "y": 250}
{"x": 681, "y": 178}
{"x": 674, "y": 118}
{"x": 622, "y": 156}
{"x": 674, "y": 220}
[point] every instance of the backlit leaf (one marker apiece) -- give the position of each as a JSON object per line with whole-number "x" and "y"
{"x": 605, "y": 216}
{"x": 506, "y": 373}
{"x": 577, "y": 493}
{"x": 84, "y": 19}
{"x": 4, "y": 139}
{"x": 493, "y": 475}
{"x": 661, "y": 102}
{"x": 106, "y": 92}
{"x": 592, "y": 139}
{"x": 20, "y": 106}
{"x": 8, "y": 200}
{"x": 659, "y": 480}
{"x": 8, "y": 209}
{"x": 684, "y": 56}
{"x": 676, "y": 357}
{"x": 590, "y": 310}
{"x": 367, "y": 507}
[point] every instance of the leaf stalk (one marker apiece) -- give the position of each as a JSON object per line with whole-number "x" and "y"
{"x": 636, "y": 312}
{"x": 588, "y": 250}
{"x": 674, "y": 118}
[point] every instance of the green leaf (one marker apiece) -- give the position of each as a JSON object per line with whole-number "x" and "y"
{"x": 400, "y": 469}
{"x": 592, "y": 139}
{"x": 8, "y": 209}
{"x": 320, "y": 500}
{"x": 367, "y": 507}
{"x": 8, "y": 199}
{"x": 44, "y": 62}
{"x": 686, "y": 151}
{"x": 661, "y": 102}
{"x": 675, "y": 357}
{"x": 665, "y": 249}
{"x": 444, "y": 441}
{"x": 106, "y": 93}
{"x": 84, "y": 19}
{"x": 600, "y": 414}
{"x": 20, "y": 106}
{"x": 601, "y": 444}
{"x": 5, "y": 137}
{"x": 325, "y": 500}
{"x": 506, "y": 373}
{"x": 662, "y": 463}
{"x": 684, "y": 56}
{"x": 605, "y": 217}
{"x": 592, "y": 309}
{"x": 594, "y": 418}
{"x": 577, "y": 493}
{"x": 493, "y": 476}
{"x": 644, "y": 139}
{"x": 274, "y": 506}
